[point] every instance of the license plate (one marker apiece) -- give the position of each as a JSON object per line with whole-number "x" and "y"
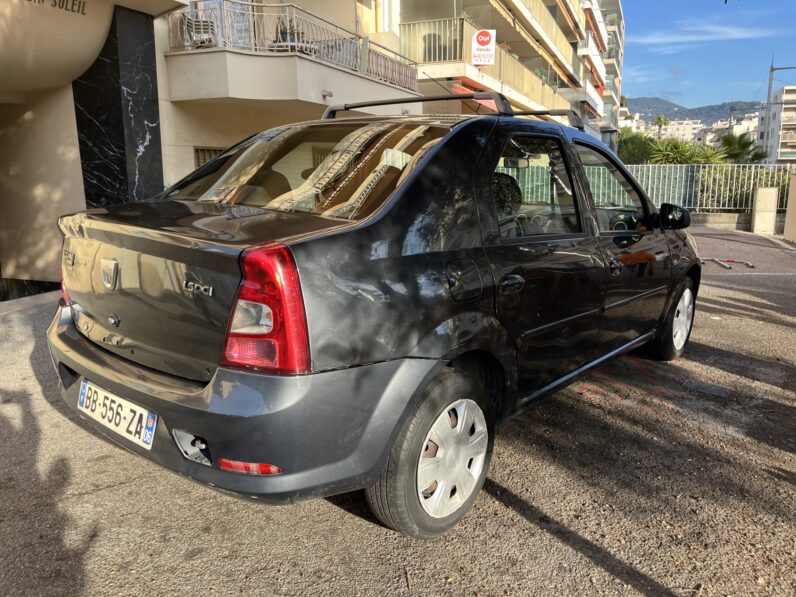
{"x": 122, "y": 416}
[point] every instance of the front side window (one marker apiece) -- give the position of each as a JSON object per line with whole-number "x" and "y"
{"x": 532, "y": 189}
{"x": 619, "y": 207}
{"x": 345, "y": 170}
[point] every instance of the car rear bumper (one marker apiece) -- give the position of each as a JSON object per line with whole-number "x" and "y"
{"x": 330, "y": 432}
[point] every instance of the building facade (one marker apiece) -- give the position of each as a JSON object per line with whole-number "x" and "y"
{"x": 684, "y": 130}
{"x": 550, "y": 54}
{"x": 777, "y": 131}
{"x": 108, "y": 101}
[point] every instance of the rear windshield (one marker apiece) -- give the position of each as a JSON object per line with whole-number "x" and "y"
{"x": 344, "y": 170}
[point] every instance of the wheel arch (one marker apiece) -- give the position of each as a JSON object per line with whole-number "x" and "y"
{"x": 695, "y": 273}
{"x": 483, "y": 365}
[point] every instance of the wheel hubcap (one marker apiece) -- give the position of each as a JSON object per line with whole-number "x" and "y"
{"x": 683, "y": 319}
{"x": 452, "y": 458}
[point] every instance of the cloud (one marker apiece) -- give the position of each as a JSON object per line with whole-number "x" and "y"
{"x": 638, "y": 75}
{"x": 667, "y": 50}
{"x": 693, "y": 31}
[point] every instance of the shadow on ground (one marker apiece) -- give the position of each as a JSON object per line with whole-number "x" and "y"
{"x": 34, "y": 556}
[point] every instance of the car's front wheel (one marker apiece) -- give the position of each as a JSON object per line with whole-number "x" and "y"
{"x": 671, "y": 341}
{"x": 439, "y": 460}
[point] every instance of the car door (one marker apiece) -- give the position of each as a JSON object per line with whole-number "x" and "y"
{"x": 544, "y": 257}
{"x": 637, "y": 254}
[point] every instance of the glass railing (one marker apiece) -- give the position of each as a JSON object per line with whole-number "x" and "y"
{"x": 450, "y": 40}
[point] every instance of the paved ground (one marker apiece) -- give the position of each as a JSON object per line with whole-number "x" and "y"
{"x": 643, "y": 477}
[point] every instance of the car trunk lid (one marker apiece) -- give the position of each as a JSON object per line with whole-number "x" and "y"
{"x": 155, "y": 282}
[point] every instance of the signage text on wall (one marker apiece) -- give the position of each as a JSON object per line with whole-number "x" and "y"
{"x": 74, "y": 6}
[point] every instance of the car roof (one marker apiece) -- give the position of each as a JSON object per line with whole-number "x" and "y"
{"x": 451, "y": 121}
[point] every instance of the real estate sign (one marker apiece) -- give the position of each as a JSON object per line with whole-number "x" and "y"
{"x": 483, "y": 47}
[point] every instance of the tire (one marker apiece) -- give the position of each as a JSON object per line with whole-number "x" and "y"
{"x": 673, "y": 338}
{"x": 464, "y": 450}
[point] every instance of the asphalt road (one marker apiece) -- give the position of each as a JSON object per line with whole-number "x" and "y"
{"x": 643, "y": 477}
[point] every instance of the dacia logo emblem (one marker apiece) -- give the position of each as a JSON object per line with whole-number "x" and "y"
{"x": 110, "y": 273}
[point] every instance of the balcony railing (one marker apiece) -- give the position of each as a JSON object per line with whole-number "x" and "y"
{"x": 614, "y": 53}
{"x": 449, "y": 40}
{"x": 283, "y": 29}
{"x": 611, "y": 85}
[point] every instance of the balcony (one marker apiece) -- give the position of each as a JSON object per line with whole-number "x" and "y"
{"x": 613, "y": 59}
{"x": 611, "y": 92}
{"x": 246, "y": 50}
{"x": 544, "y": 28}
{"x": 443, "y": 46}
{"x": 598, "y": 23}
{"x": 590, "y": 51}
{"x": 588, "y": 95}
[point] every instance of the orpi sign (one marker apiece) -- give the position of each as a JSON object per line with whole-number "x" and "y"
{"x": 483, "y": 46}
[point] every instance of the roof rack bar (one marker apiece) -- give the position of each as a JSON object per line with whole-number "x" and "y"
{"x": 574, "y": 118}
{"x": 501, "y": 103}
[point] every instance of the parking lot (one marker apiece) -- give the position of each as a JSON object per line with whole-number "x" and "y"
{"x": 642, "y": 477}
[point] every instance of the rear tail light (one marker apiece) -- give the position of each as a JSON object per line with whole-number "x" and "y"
{"x": 268, "y": 327}
{"x": 249, "y": 468}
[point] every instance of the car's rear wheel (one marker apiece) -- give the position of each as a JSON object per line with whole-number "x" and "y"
{"x": 670, "y": 343}
{"x": 439, "y": 460}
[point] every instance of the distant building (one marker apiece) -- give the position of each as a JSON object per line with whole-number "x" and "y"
{"x": 685, "y": 130}
{"x": 777, "y": 131}
{"x": 633, "y": 122}
{"x": 712, "y": 134}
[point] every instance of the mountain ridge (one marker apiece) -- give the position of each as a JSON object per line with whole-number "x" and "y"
{"x": 651, "y": 107}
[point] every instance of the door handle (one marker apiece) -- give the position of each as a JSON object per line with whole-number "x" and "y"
{"x": 616, "y": 266}
{"x": 511, "y": 284}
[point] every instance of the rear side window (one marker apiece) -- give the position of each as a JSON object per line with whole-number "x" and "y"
{"x": 532, "y": 189}
{"x": 344, "y": 170}
{"x": 618, "y": 205}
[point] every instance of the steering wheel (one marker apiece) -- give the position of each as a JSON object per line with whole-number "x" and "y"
{"x": 623, "y": 221}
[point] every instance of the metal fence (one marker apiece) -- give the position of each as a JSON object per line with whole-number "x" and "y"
{"x": 280, "y": 29}
{"x": 712, "y": 187}
{"x": 702, "y": 188}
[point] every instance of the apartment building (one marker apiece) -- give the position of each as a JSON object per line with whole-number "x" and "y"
{"x": 614, "y": 59}
{"x": 110, "y": 102}
{"x": 78, "y": 122}
{"x": 549, "y": 56}
{"x": 744, "y": 125}
{"x": 634, "y": 122}
{"x": 777, "y": 132}
{"x": 685, "y": 130}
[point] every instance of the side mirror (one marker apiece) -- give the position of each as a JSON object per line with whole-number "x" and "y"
{"x": 674, "y": 217}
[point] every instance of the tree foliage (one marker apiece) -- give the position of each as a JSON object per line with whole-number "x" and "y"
{"x": 741, "y": 149}
{"x": 660, "y": 121}
{"x": 634, "y": 148}
{"x": 677, "y": 151}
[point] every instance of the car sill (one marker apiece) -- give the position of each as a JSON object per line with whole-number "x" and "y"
{"x": 569, "y": 376}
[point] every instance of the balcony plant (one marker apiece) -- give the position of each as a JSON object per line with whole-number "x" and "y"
{"x": 289, "y": 31}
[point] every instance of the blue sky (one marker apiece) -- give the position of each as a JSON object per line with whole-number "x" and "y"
{"x": 697, "y": 52}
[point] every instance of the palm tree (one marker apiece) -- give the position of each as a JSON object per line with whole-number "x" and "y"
{"x": 705, "y": 154}
{"x": 741, "y": 149}
{"x": 677, "y": 151}
{"x": 660, "y": 121}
